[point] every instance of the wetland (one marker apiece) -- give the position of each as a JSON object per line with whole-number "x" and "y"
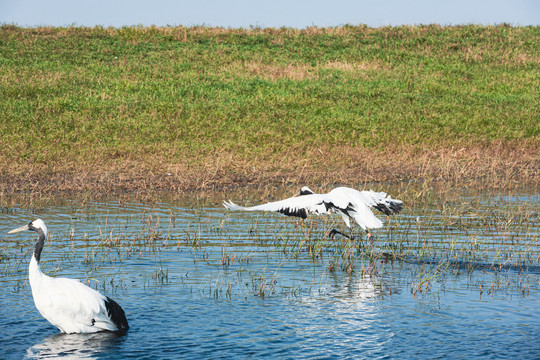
{"x": 126, "y": 141}
{"x": 456, "y": 274}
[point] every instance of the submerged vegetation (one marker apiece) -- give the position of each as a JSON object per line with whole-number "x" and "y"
{"x": 140, "y": 109}
{"x": 227, "y": 255}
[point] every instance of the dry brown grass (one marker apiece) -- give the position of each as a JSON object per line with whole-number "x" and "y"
{"x": 347, "y": 66}
{"x": 275, "y": 72}
{"x": 495, "y": 167}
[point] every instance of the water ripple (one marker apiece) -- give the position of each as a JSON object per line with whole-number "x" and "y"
{"x": 198, "y": 282}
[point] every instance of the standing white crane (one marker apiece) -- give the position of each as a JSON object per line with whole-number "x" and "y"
{"x": 68, "y": 304}
{"x": 349, "y": 203}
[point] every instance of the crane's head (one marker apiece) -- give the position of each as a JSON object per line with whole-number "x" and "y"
{"x": 36, "y": 225}
{"x": 306, "y": 191}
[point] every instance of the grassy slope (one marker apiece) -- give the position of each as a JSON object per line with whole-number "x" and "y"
{"x": 85, "y": 98}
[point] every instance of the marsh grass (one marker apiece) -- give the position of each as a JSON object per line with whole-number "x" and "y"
{"x": 454, "y": 233}
{"x": 442, "y": 233}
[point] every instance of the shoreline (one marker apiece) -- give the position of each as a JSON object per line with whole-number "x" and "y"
{"x": 478, "y": 168}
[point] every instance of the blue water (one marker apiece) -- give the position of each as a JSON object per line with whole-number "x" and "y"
{"x": 198, "y": 282}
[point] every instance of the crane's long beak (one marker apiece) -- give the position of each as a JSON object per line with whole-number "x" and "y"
{"x": 22, "y": 228}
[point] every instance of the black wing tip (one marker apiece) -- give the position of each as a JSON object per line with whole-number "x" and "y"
{"x": 301, "y": 213}
{"x": 117, "y": 314}
{"x": 396, "y": 207}
{"x": 392, "y": 207}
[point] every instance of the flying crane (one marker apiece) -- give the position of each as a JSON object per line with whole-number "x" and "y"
{"x": 351, "y": 204}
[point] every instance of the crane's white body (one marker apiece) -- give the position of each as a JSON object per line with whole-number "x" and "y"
{"x": 68, "y": 304}
{"x": 348, "y": 202}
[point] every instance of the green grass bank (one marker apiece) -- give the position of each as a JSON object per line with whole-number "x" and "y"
{"x": 197, "y": 107}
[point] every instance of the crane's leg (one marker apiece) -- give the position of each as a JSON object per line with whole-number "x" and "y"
{"x": 369, "y": 236}
{"x": 333, "y": 232}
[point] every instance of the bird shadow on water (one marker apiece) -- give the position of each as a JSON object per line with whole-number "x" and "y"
{"x": 75, "y": 346}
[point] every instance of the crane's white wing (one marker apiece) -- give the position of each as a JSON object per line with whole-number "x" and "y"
{"x": 357, "y": 205}
{"x": 298, "y": 206}
{"x": 381, "y": 202}
{"x": 348, "y": 204}
{"x": 72, "y": 306}
{"x": 364, "y": 217}
{"x": 342, "y": 197}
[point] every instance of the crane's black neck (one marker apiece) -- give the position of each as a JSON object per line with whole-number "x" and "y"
{"x": 39, "y": 245}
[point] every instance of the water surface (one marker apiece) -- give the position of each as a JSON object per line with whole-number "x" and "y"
{"x": 199, "y": 282}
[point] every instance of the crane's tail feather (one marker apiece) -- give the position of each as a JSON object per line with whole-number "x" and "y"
{"x": 232, "y": 206}
{"x": 116, "y": 314}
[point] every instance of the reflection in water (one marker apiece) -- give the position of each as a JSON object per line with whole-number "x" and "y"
{"x": 353, "y": 306}
{"x": 358, "y": 288}
{"x": 75, "y": 346}
{"x": 360, "y": 308}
